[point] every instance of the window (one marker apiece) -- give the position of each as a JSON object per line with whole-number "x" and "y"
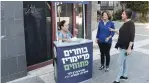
{"x": 111, "y": 3}
{"x": 79, "y": 20}
{"x": 64, "y": 12}
{"x": 105, "y": 3}
{"x": 99, "y": 2}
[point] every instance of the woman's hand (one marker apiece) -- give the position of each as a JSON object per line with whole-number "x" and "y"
{"x": 68, "y": 40}
{"x": 117, "y": 32}
{"x": 128, "y": 51}
{"x": 96, "y": 41}
{"x": 107, "y": 39}
{"x": 112, "y": 29}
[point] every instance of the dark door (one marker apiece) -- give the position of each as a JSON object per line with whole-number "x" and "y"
{"x": 38, "y": 31}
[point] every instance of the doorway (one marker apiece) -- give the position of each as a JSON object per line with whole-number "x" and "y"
{"x": 38, "y": 31}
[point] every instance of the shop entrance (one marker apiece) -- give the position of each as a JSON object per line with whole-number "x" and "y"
{"x": 38, "y": 31}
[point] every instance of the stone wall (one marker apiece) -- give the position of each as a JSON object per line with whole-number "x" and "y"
{"x": 13, "y": 57}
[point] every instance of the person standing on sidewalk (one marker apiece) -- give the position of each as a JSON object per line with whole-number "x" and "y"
{"x": 125, "y": 44}
{"x": 104, "y": 39}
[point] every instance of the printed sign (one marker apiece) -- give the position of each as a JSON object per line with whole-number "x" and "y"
{"x": 74, "y": 63}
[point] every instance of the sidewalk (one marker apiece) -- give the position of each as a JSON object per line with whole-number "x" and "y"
{"x": 138, "y": 71}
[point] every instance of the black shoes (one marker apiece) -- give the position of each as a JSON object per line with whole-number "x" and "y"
{"x": 116, "y": 82}
{"x": 101, "y": 68}
{"x": 122, "y": 77}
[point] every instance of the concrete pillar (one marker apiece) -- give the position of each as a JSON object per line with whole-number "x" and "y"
{"x": 95, "y": 7}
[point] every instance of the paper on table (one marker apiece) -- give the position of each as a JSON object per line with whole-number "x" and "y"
{"x": 74, "y": 39}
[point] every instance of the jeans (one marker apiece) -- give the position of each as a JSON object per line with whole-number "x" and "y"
{"x": 122, "y": 65}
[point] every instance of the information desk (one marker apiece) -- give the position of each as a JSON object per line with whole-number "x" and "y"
{"x": 73, "y": 61}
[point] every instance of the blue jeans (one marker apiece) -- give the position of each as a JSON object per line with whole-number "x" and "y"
{"x": 122, "y": 64}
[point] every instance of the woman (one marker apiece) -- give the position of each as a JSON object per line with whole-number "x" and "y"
{"x": 125, "y": 44}
{"x": 104, "y": 39}
{"x": 64, "y": 34}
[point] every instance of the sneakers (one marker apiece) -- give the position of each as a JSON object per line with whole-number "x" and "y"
{"x": 102, "y": 67}
{"x": 122, "y": 77}
{"x": 116, "y": 82}
{"x": 107, "y": 69}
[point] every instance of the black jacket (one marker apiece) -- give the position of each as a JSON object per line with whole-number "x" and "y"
{"x": 126, "y": 35}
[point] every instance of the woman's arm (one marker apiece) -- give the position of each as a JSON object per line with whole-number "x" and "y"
{"x": 130, "y": 45}
{"x": 116, "y": 31}
{"x": 132, "y": 34}
{"x": 64, "y": 39}
{"x": 112, "y": 32}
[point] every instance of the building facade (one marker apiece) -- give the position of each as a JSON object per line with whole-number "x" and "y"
{"x": 28, "y": 30}
{"x": 13, "y": 55}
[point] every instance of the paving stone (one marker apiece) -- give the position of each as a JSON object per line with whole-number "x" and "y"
{"x": 35, "y": 79}
{"x": 146, "y": 46}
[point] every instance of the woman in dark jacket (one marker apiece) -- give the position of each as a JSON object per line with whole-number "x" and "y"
{"x": 104, "y": 39}
{"x": 125, "y": 44}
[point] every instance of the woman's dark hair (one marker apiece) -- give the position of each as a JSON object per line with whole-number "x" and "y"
{"x": 108, "y": 14}
{"x": 128, "y": 13}
{"x": 61, "y": 24}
